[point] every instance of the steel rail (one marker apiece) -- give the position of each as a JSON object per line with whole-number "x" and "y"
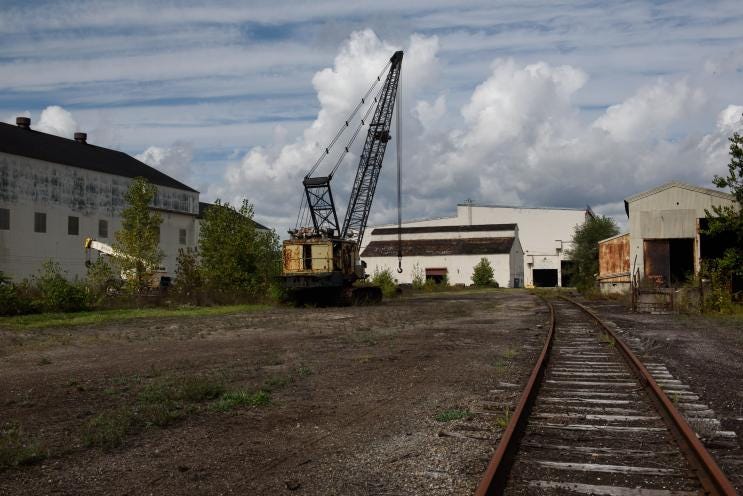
{"x": 495, "y": 476}
{"x": 706, "y": 469}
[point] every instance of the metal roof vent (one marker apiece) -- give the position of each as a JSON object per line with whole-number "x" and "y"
{"x": 81, "y": 137}
{"x": 23, "y": 122}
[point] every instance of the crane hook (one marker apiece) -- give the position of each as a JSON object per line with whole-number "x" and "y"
{"x": 399, "y": 265}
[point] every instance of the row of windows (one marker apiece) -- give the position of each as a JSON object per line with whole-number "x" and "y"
{"x": 73, "y": 225}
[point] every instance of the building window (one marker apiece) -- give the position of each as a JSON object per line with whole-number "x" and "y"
{"x": 39, "y": 222}
{"x": 182, "y": 236}
{"x": 4, "y": 219}
{"x": 73, "y": 225}
{"x": 103, "y": 228}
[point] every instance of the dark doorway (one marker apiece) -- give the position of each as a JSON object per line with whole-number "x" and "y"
{"x": 545, "y": 278}
{"x": 436, "y": 275}
{"x": 681, "y": 260}
{"x": 669, "y": 262}
{"x": 566, "y": 268}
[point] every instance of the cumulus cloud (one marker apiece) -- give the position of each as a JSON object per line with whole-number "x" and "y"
{"x": 56, "y": 120}
{"x": 175, "y": 161}
{"x": 521, "y": 138}
{"x": 272, "y": 174}
{"x": 53, "y": 120}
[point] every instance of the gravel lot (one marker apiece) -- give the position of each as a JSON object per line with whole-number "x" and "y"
{"x": 363, "y": 400}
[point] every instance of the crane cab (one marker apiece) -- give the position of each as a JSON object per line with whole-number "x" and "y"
{"x": 323, "y": 258}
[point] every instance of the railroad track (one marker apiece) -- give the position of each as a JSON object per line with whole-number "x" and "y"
{"x": 592, "y": 420}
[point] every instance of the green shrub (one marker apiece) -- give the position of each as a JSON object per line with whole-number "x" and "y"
{"x": 108, "y": 429}
{"x": 101, "y": 280}
{"x": 482, "y": 275}
{"x": 384, "y": 279}
{"x": 54, "y": 293}
{"x": 188, "y": 275}
{"x": 228, "y": 401}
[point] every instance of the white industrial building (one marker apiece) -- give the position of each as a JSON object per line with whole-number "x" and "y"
{"x": 664, "y": 243}
{"x": 55, "y": 192}
{"x": 536, "y": 256}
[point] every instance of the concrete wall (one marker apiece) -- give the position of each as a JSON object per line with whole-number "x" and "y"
{"x": 459, "y": 267}
{"x": 29, "y": 185}
{"x": 671, "y": 213}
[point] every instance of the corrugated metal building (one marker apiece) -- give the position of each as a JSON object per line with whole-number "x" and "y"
{"x": 55, "y": 192}
{"x": 664, "y": 242}
{"x": 543, "y": 234}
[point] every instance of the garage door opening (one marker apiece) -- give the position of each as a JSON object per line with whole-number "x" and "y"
{"x": 545, "y": 278}
{"x": 436, "y": 275}
{"x": 669, "y": 262}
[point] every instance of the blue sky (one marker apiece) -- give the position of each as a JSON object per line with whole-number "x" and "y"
{"x": 536, "y": 103}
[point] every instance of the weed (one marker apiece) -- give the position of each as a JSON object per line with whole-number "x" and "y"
{"x": 193, "y": 389}
{"x": 160, "y": 414}
{"x": 606, "y": 338}
{"x": 675, "y": 398}
{"x": 304, "y": 371}
{"x": 231, "y": 400}
{"x": 108, "y": 429}
{"x": 16, "y": 448}
{"x": 453, "y": 414}
{"x": 44, "y": 361}
{"x": 510, "y": 354}
{"x": 503, "y": 420}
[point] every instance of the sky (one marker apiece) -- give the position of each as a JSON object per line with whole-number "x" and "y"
{"x": 534, "y": 103}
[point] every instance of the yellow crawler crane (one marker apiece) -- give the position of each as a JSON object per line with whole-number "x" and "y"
{"x": 321, "y": 261}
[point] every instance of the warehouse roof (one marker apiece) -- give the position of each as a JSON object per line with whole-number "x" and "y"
{"x": 42, "y": 146}
{"x": 440, "y": 247}
{"x": 445, "y": 229}
{"x": 676, "y": 184}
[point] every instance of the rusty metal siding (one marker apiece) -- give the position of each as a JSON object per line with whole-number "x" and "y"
{"x": 614, "y": 257}
{"x": 657, "y": 256}
{"x": 439, "y": 247}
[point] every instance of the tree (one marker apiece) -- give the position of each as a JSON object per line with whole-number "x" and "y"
{"x": 188, "y": 278}
{"x": 234, "y": 254}
{"x": 726, "y": 222}
{"x": 139, "y": 237}
{"x": 585, "y": 251}
{"x": 483, "y": 273}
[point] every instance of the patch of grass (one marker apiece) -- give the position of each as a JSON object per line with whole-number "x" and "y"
{"x": 192, "y": 389}
{"x": 277, "y": 382}
{"x": 16, "y": 448}
{"x": 453, "y": 414}
{"x": 234, "y": 399}
{"x": 160, "y": 414}
{"x": 44, "y": 320}
{"x": 108, "y": 429}
{"x": 304, "y": 371}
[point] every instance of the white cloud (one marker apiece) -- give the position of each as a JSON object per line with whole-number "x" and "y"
{"x": 56, "y": 120}
{"x": 652, "y": 110}
{"x": 175, "y": 161}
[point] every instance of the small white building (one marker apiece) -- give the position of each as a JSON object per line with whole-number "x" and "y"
{"x": 448, "y": 251}
{"x": 543, "y": 235}
{"x": 55, "y": 192}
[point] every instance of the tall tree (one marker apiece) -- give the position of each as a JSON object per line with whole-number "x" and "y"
{"x": 139, "y": 237}
{"x": 585, "y": 251}
{"x": 726, "y": 222}
{"x": 234, "y": 254}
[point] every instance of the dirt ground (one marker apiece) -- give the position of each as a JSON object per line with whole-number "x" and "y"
{"x": 705, "y": 352}
{"x": 359, "y": 398}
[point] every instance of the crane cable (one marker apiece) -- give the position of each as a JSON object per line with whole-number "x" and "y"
{"x": 346, "y": 124}
{"x": 399, "y": 174}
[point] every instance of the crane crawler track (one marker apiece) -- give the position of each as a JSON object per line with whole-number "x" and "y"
{"x": 592, "y": 420}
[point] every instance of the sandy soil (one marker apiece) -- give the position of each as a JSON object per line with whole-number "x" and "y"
{"x": 704, "y": 352}
{"x": 354, "y": 395}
